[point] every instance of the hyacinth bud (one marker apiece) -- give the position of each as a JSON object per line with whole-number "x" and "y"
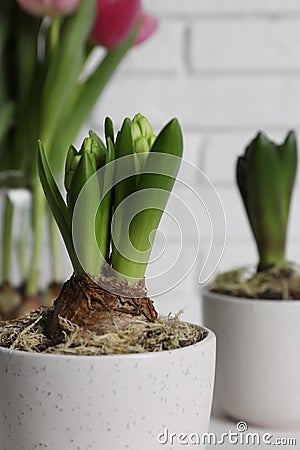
{"x": 144, "y": 125}
{"x": 151, "y": 140}
{"x": 141, "y": 145}
{"x": 79, "y": 168}
{"x": 96, "y": 151}
{"x": 86, "y": 146}
{"x": 75, "y": 162}
{"x": 72, "y": 162}
{"x": 70, "y": 174}
{"x": 91, "y": 146}
{"x": 135, "y": 131}
{"x": 142, "y": 134}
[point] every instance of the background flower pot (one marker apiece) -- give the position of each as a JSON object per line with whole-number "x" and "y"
{"x": 124, "y": 401}
{"x": 258, "y": 364}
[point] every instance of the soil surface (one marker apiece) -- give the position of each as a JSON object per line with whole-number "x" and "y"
{"x": 275, "y": 283}
{"x": 166, "y": 333}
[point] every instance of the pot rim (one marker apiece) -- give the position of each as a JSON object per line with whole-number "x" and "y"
{"x": 226, "y": 297}
{"x": 146, "y": 355}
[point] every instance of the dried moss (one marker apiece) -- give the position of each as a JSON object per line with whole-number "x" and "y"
{"x": 166, "y": 333}
{"x": 275, "y": 283}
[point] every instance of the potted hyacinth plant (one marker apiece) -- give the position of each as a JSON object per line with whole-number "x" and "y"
{"x": 254, "y": 312}
{"x": 100, "y": 366}
{"x": 50, "y": 80}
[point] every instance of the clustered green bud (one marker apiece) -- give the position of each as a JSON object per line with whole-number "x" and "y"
{"x": 142, "y": 134}
{"x": 71, "y": 172}
{"x": 89, "y": 147}
{"x": 82, "y": 164}
{"x": 95, "y": 154}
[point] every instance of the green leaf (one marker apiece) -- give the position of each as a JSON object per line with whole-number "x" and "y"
{"x": 259, "y": 177}
{"x": 58, "y": 207}
{"x": 109, "y": 130}
{"x": 104, "y": 212}
{"x": 7, "y": 239}
{"x": 77, "y": 110}
{"x": 7, "y": 156}
{"x": 288, "y": 162}
{"x": 168, "y": 142}
{"x": 6, "y": 7}
{"x": 26, "y": 55}
{"x": 6, "y": 116}
{"x": 155, "y": 188}
{"x": 84, "y": 200}
{"x": 124, "y": 147}
{"x": 72, "y": 152}
{"x": 241, "y": 170}
{"x": 102, "y": 149}
{"x": 86, "y": 168}
{"x": 265, "y": 200}
{"x": 64, "y": 70}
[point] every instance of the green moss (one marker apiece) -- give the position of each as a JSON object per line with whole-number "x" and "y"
{"x": 167, "y": 333}
{"x": 275, "y": 283}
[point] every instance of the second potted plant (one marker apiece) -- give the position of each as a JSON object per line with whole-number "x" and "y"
{"x": 255, "y": 313}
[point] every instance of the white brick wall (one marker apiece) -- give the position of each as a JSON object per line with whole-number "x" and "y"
{"x": 248, "y": 45}
{"x": 198, "y": 8}
{"x": 225, "y": 68}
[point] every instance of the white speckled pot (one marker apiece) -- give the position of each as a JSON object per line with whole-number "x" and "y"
{"x": 115, "y": 402}
{"x": 258, "y": 363}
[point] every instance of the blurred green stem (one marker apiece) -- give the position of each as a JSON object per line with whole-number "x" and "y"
{"x": 38, "y": 216}
{"x": 54, "y": 34}
{"x": 7, "y": 238}
{"x": 22, "y": 245}
{"x": 54, "y": 248}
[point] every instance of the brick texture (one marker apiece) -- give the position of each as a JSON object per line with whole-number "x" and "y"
{"x": 214, "y": 102}
{"x": 252, "y": 45}
{"x": 218, "y": 7}
{"x": 155, "y": 55}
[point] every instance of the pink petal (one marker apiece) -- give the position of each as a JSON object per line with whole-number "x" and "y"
{"x": 65, "y": 6}
{"x": 48, "y": 7}
{"x": 115, "y": 19}
{"x": 149, "y": 25}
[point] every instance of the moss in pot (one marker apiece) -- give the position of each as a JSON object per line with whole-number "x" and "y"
{"x": 254, "y": 313}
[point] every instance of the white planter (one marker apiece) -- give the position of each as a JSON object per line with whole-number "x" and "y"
{"x": 115, "y": 402}
{"x": 258, "y": 363}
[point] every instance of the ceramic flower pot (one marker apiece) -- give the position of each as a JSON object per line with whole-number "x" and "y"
{"x": 258, "y": 364}
{"x": 113, "y": 402}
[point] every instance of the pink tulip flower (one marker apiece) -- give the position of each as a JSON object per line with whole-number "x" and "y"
{"x": 49, "y": 7}
{"x": 148, "y": 26}
{"x": 115, "y": 20}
